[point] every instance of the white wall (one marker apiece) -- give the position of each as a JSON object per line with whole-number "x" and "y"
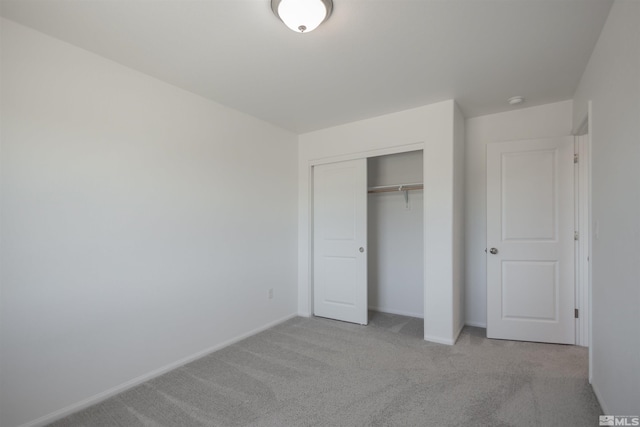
{"x": 611, "y": 82}
{"x": 430, "y": 127}
{"x": 141, "y": 225}
{"x": 395, "y": 236}
{"x": 528, "y": 123}
{"x": 458, "y": 221}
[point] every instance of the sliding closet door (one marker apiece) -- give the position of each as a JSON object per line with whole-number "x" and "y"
{"x": 340, "y": 241}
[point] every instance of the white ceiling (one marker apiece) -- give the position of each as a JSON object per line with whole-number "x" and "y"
{"x": 370, "y": 58}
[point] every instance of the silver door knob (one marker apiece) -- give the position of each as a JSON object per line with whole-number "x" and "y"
{"x": 361, "y": 249}
{"x": 493, "y": 251}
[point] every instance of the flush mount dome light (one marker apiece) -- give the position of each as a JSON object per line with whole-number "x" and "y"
{"x": 302, "y": 16}
{"x": 515, "y": 100}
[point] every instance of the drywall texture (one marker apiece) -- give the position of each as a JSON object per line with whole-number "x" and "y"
{"x": 429, "y": 127}
{"x": 528, "y": 123}
{"x": 611, "y": 82}
{"x": 395, "y": 236}
{"x": 140, "y": 225}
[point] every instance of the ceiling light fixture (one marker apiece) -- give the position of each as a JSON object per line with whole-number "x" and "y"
{"x": 302, "y": 16}
{"x": 515, "y": 100}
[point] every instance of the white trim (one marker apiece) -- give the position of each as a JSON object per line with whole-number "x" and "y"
{"x": 446, "y": 341}
{"x": 440, "y": 340}
{"x": 456, "y": 336}
{"x": 582, "y": 245}
{"x": 477, "y": 324}
{"x": 590, "y": 250}
{"x": 603, "y": 405}
{"x": 96, "y": 398}
{"x": 417, "y": 146}
{"x": 576, "y": 244}
{"x": 399, "y": 312}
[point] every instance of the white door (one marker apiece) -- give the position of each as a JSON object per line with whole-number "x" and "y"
{"x": 340, "y": 241}
{"x": 530, "y": 241}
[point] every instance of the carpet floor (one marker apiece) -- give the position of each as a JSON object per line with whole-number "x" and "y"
{"x": 320, "y": 372}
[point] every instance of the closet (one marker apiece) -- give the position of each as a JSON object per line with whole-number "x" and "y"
{"x": 333, "y": 248}
{"x": 395, "y": 215}
{"x": 368, "y": 237}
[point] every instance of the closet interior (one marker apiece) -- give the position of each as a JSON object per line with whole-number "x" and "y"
{"x": 395, "y": 218}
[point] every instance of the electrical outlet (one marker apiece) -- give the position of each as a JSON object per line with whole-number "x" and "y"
{"x": 270, "y": 293}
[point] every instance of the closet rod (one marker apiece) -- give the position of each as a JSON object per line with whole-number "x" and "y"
{"x": 399, "y": 187}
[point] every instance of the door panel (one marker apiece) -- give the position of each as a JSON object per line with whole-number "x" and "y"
{"x": 339, "y": 231}
{"x": 530, "y": 290}
{"x": 530, "y": 278}
{"x": 528, "y": 195}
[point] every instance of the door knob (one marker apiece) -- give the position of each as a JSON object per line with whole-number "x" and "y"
{"x": 493, "y": 251}
{"x": 361, "y": 249}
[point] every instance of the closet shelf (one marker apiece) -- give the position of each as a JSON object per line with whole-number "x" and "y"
{"x": 397, "y": 187}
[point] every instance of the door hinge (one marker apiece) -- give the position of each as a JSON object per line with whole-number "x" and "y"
{"x": 576, "y": 235}
{"x": 576, "y": 313}
{"x": 575, "y": 158}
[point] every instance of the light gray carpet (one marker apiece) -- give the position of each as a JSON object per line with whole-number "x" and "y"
{"x": 319, "y": 372}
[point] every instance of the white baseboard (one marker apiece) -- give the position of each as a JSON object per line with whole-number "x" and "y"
{"x": 399, "y": 312}
{"x": 476, "y": 324}
{"x": 462, "y": 325}
{"x": 603, "y": 405}
{"x": 439, "y": 340}
{"x": 75, "y": 407}
{"x": 446, "y": 341}
{"x": 304, "y": 314}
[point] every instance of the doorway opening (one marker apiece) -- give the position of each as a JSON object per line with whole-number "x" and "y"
{"x": 395, "y": 215}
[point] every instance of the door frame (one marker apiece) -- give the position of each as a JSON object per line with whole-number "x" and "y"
{"x": 583, "y": 227}
{"x": 351, "y": 156}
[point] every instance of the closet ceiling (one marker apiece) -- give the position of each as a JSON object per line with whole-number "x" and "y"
{"x": 370, "y": 58}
